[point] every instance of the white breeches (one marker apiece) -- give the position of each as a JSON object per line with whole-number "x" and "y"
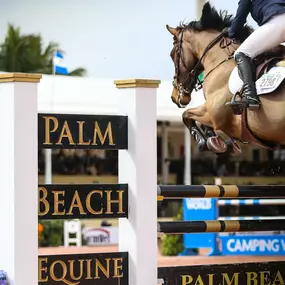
{"x": 264, "y": 38}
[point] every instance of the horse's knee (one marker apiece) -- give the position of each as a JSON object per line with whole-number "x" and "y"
{"x": 186, "y": 118}
{"x": 186, "y": 114}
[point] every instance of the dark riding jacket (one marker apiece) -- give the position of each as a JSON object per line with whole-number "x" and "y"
{"x": 260, "y": 10}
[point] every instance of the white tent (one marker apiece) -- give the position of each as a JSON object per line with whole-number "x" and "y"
{"x": 64, "y": 94}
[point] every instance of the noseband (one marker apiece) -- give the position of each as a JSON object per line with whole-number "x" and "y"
{"x": 192, "y": 77}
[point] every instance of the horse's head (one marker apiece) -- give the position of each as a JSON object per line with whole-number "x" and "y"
{"x": 190, "y": 46}
{"x": 185, "y": 60}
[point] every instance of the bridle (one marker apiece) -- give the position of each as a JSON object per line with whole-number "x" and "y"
{"x": 192, "y": 81}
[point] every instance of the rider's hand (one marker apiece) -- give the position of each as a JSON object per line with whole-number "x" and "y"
{"x": 231, "y": 33}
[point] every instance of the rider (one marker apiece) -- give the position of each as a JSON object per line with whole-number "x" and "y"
{"x": 270, "y": 16}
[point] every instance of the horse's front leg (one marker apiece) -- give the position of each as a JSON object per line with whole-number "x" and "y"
{"x": 204, "y": 136}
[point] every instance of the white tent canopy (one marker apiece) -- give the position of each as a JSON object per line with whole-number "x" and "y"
{"x": 62, "y": 94}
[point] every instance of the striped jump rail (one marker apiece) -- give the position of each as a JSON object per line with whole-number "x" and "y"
{"x": 251, "y": 218}
{"x": 219, "y": 191}
{"x": 236, "y": 202}
{"x": 184, "y": 227}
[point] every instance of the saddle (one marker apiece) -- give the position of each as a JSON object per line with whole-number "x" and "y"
{"x": 264, "y": 62}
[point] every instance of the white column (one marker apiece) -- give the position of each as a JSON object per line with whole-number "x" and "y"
{"x": 138, "y": 168}
{"x": 187, "y": 155}
{"x": 19, "y": 177}
{"x": 48, "y": 166}
{"x": 165, "y": 154}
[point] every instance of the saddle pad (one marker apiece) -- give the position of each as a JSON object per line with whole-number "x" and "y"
{"x": 267, "y": 83}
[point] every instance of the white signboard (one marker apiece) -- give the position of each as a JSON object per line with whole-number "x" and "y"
{"x": 101, "y": 236}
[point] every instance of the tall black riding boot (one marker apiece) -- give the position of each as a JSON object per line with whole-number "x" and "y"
{"x": 246, "y": 73}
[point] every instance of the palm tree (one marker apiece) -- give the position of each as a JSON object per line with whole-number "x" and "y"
{"x": 25, "y": 53}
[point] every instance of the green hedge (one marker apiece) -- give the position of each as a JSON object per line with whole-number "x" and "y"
{"x": 172, "y": 245}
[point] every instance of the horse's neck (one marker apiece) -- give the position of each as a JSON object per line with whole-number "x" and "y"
{"x": 215, "y": 55}
{"x": 212, "y": 62}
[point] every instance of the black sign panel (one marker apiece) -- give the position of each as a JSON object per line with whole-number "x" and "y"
{"x": 82, "y": 201}
{"x": 67, "y": 131}
{"x": 228, "y": 274}
{"x": 87, "y": 269}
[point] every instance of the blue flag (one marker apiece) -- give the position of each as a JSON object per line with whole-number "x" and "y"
{"x": 58, "y": 63}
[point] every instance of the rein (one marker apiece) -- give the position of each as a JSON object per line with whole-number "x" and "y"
{"x": 194, "y": 82}
{"x": 227, "y": 44}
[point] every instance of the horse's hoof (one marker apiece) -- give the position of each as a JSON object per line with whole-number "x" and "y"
{"x": 216, "y": 145}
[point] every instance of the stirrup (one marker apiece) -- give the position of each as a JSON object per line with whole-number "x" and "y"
{"x": 237, "y": 106}
{"x": 245, "y": 102}
{"x": 253, "y": 103}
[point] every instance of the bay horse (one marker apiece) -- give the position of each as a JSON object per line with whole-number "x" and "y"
{"x": 202, "y": 46}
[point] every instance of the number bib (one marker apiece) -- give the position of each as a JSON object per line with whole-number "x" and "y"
{"x": 271, "y": 80}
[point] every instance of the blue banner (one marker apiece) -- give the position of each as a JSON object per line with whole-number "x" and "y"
{"x": 200, "y": 209}
{"x": 252, "y": 245}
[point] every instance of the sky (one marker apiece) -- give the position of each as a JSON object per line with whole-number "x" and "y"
{"x": 111, "y": 39}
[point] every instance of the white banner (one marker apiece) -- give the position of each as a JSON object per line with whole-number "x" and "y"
{"x": 101, "y": 236}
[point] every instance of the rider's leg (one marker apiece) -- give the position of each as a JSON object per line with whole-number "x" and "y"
{"x": 246, "y": 73}
{"x": 262, "y": 39}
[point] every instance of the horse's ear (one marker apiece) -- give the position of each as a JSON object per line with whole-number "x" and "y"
{"x": 171, "y": 30}
{"x": 206, "y": 14}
